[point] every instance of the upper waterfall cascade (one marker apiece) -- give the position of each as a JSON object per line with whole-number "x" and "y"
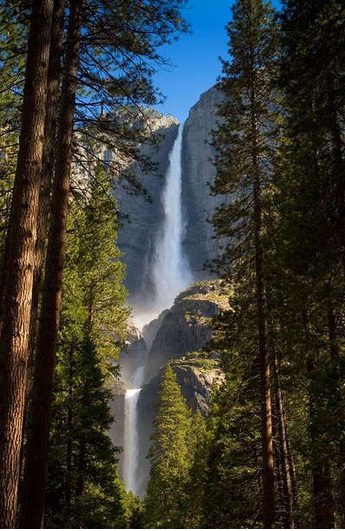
{"x": 171, "y": 272}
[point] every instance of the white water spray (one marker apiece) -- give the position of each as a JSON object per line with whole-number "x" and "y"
{"x": 131, "y": 436}
{"x": 171, "y": 271}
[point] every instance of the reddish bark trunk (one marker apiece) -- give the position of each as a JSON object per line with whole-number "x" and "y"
{"x": 19, "y": 261}
{"x": 38, "y": 437}
{"x": 49, "y": 151}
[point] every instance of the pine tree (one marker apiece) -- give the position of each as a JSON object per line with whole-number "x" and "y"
{"x": 93, "y": 310}
{"x": 170, "y": 456}
{"x": 83, "y": 485}
{"x": 312, "y": 213}
{"x": 18, "y": 262}
{"x": 84, "y": 490}
{"x": 232, "y": 495}
{"x": 244, "y": 167}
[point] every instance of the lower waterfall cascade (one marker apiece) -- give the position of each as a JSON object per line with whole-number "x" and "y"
{"x": 130, "y": 450}
{"x": 171, "y": 274}
{"x": 130, "y": 438}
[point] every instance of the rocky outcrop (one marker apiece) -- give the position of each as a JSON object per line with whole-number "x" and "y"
{"x": 184, "y": 331}
{"x": 197, "y": 382}
{"x": 186, "y": 326}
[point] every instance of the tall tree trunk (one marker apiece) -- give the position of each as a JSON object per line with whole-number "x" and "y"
{"x": 266, "y": 401}
{"x": 49, "y": 150}
{"x": 68, "y": 489}
{"x": 264, "y": 358}
{"x": 19, "y": 261}
{"x": 38, "y": 437}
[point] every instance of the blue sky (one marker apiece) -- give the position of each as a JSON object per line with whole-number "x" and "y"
{"x": 195, "y": 56}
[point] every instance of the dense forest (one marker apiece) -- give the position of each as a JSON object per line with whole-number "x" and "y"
{"x": 271, "y": 452}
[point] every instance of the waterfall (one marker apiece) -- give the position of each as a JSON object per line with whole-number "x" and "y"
{"x": 131, "y": 436}
{"x": 171, "y": 274}
{"x": 131, "y": 449}
{"x": 171, "y": 271}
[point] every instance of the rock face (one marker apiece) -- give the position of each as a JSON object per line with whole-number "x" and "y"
{"x": 137, "y": 236}
{"x": 198, "y": 171}
{"x": 138, "y": 233}
{"x": 181, "y": 334}
{"x": 186, "y": 326}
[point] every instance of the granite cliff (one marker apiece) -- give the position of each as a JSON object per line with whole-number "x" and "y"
{"x": 144, "y": 214}
{"x": 198, "y": 171}
{"x": 137, "y": 236}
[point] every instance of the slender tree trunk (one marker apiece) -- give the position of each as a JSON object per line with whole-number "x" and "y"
{"x": 38, "y": 437}
{"x": 69, "y": 446}
{"x": 288, "y": 487}
{"x": 261, "y": 305}
{"x": 266, "y": 401}
{"x": 19, "y": 261}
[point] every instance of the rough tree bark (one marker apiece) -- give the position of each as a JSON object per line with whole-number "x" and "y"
{"x": 42, "y": 394}
{"x": 19, "y": 260}
{"x": 53, "y": 94}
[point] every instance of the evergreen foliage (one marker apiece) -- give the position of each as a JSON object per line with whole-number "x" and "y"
{"x": 272, "y": 451}
{"x": 170, "y": 457}
{"x": 244, "y": 165}
{"x": 84, "y": 489}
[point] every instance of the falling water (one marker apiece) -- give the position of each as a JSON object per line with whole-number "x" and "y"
{"x": 171, "y": 275}
{"x": 131, "y": 448}
{"x": 171, "y": 271}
